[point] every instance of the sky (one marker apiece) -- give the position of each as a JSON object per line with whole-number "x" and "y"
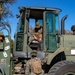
{"x": 67, "y": 7}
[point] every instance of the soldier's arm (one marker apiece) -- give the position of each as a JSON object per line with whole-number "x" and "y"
{"x": 44, "y": 60}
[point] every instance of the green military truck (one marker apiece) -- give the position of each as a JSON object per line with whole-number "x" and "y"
{"x": 57, "y": 46}
{"x": 5, "y": 48}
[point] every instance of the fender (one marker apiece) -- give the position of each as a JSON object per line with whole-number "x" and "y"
{"x": 59, "y": 50}
{"x": 70, "y": 54}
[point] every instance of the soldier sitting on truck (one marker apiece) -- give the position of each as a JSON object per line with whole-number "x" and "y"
{"x": 34, "y": 65}
{"x": 38, "y": 30}
{"x": 37, "y": 33}
{"x": 37, "y": 36}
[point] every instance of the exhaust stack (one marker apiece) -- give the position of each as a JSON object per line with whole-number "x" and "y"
{"x": 63, "y": 23}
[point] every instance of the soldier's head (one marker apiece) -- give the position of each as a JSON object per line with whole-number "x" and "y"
{"x": 73, "y": 29}
{"x": 38, "y": 25}
{"x": 33, "y": 54}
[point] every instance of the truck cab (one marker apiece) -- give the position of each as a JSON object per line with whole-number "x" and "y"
{"x": 48, "y": 18}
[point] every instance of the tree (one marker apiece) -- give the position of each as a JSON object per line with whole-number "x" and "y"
{"x": 5, "y": 13}
{"x": 4, "y": 9}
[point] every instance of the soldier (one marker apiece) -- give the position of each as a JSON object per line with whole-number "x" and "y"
{"x": 38, "y": 33}
{"x": 73, "y": 29}
{"x": 38, "y": 30}
{"x": 34, "y": 66}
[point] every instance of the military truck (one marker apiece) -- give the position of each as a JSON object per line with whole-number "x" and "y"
{"x": 57, "y": 46}
{"x": 5, "y": 48}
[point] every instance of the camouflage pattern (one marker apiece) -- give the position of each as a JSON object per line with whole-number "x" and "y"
{"x": 38, "y": 36}
{"x": 38, "y": 25}
{"x": 38, "y": 30}
{"x": 38, "y": 74}
{"x": 18, "y": 67}
{"x": 29, "y": 68}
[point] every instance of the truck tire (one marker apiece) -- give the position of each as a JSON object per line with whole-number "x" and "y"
{"x": 63, "y": 68}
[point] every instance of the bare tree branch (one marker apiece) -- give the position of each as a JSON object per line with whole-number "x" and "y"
{"x": 4, "y": 9}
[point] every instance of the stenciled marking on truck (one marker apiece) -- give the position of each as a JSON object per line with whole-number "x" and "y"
{"x": 5, "y": 54}
{"x": 6, "y": 40}
{"x": 3, "y": 61}
{"x": 7, "y": 48}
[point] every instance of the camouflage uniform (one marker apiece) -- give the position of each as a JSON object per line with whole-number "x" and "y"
{"x": 38, "y": 31}
{"x": 29, "y": 68}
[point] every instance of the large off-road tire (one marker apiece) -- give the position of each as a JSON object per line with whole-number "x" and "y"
{"x": 63, "y": 68}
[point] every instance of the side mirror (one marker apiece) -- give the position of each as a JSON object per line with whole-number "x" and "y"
{"x": 58, "y": 38}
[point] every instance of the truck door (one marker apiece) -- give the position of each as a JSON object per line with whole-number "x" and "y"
{"x": 51, "y": 27}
